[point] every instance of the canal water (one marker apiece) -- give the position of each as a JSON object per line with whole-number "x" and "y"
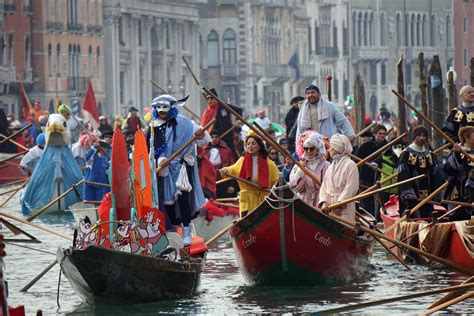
{"x": 223, "y": 290}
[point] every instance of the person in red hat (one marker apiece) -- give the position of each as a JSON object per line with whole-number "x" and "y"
{"x": 37, "y": 111}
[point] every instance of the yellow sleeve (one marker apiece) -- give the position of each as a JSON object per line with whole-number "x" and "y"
{"x": 273, "y": 172}
{"x": 236, "y": 167}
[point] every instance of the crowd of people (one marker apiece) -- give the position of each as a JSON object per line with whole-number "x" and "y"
{"x": 317, "y": 134}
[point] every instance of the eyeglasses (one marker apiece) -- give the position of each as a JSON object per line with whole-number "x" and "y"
{"x": 309, "y": 148}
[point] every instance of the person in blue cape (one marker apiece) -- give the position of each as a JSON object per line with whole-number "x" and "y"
{"x": 56, "y": 171}
{"x": 97, "y": 168}
{"x": 171, "y": 131}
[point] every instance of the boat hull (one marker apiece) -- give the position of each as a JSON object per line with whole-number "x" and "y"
{"x": 298, "y": 246}
{"x": 9, "y": 171}
{"x": 103, "y": 275}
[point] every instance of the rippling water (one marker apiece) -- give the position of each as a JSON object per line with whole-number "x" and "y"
{"x": 223, "y": 290}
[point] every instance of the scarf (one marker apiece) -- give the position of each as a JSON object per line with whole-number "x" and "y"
{"x": 309, "y": 116}
{"x": 263, "y": 173}
{"x": 209, "y": 115}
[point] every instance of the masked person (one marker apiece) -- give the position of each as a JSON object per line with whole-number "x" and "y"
{"x": 171, "y": 131}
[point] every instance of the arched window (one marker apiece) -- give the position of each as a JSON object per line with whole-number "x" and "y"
{"x": 58, "y": 60}
{"x": 27, "y": 51}
{"x": 354, "y": 28}
{"x": 78, "y": 61}
{"x": 382, "y": 29}
{"x": 71, "y": 61}
{"x": 423, "y": 31}
{"x": 50, "y": 55}
{"x": 89, "y": 62}
{"x": 230, "y": 55}
{"x": 213, "y": 49}
{"x": 48, "y": 11}
{"x": 10, "y": 48}
{"x": 97, "y": 60}
{"x": 3, "y": 50}
{"x": 360, "y": 30}
{"x": 407, "y": 29}
{"x": 372, "y": 29}
{"x": 154, "y": 38}
{"x": 366, "y": 18}
{"x": 433, "y": 30}
{"x": 412, "y": 30}
{"x": 448, "y": 31}
{"x": 399, "y": 30}
{"x": 418, "y": 30}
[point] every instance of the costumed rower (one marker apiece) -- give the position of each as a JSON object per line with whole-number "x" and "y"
{"x": 462, "y": 115}
{"x": 315, "y": 162}
{"x": 97, "y": 168}
{"x": 171, "y": 131}
{"x": 56, "y": 171}
{"x": 461, "y": 174}
{"x": 254, "y": 166}
{"x": 29, "y": 161}
{"x": 341, "y": 180}
{"x": 416, "y": 160}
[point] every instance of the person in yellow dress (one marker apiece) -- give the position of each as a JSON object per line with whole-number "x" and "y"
{"x": 253, "y": 166}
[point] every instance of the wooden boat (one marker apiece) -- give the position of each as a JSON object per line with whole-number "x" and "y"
{"x": 9, "y": 171}
{"x": 455, "y": 247}
{"x": 292, "y": 243}
{"x": 104, "y": 275}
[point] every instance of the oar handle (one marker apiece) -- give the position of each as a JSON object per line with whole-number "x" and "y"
{"x": 180, "y": 149}
{"x": 247, "y": 182}
{"x": 218, "y": 235}
{"x": 365, "y": 130}
{"x": 16, "y": 133}
{"x": 383, "y": 148}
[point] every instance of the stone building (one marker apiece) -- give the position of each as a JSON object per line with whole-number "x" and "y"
{"x": 383, "y": 30}
{"x": 463, "y": 43}
{"x": 68, "y": 51}
{"x": 146, "y": 40}
{"x": 248, "y": 48}
{"x": 15, "y": 52}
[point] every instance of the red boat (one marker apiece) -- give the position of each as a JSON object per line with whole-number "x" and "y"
{"x": 456, "y": 237}
{"x": 9, "y": 171}
{"x": 295, "y": 244}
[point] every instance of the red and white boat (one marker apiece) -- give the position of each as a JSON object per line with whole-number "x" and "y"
{"x": 9, "y": 171}
{"x": 454, "y": 240}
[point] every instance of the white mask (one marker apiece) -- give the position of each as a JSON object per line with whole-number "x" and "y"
{"x": 162, "y": 107}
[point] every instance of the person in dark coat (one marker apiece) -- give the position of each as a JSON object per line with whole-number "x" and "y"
{"x": 462, "y": 115}
{"x": 6, "y": 147}
{"x": 290, "y": 120}
{"x": 104, "y": 126}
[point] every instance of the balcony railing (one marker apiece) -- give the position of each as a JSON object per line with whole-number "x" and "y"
{"x": 308, "y": 71}
{"x": 370, "y": 52}
{"x": 77, "y": 83}
{"x": 49, "y": 25}
{"x": 9, "y": 8}
{"x": 58, "y": 26}
{"x": 74, "y": 27}
{"x": 91, "y": 28}
{"x": 332, "y": 52}
{"x": 229, "y": 70}
{"x": 27, "y": 9}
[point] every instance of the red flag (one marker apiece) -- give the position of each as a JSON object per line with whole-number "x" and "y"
{"x": 25, "y": 101}
{"x": 91, "y": 113}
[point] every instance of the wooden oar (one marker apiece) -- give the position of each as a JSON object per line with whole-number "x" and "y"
{"x": 346, "y": 308}
{"x": 463, "y": 204}
{"x": 184, "y": 106}
{"x": 379, "y": 184}
{"x": 380, "y": 150}
{"x": 361, "y": 218}
{"x": 449, "y": 303}
{"x": 39, "y": 212}
{"x": 247, "y": 182}
{"x": 417, "y": 207}
{"x": 427, "y": 120}
{"x": 39, "y": 276}
{"x": 231, "y": 199}
{"x": 452, "y": 294}
{"x": 232, "y": 128}
{"x": 440, "y": 149}
{"x": 13, "y": 157}
{"x": 14, "y": 142}
{"x": 365, "y": 130}
{"x": 443, "y": 261}
{"x": 287, "y": 154}
{"x": 219, "y": 235}
{"x": 368, "y": 164}
{"x": 180, "y": 149}
{"x": 16, "y": 133}
{"x": 223, "y": 180}
{"x": 15, "y": 192}
{"x": 105, "y": 185}
{"x": 21, "y": 220}
{"x": 430, "y": 224}
{"x": 226, "y": 204}
{"x": 370, "y": 193}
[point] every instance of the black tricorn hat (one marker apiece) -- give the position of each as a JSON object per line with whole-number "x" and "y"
{"x": 296, "y": 98}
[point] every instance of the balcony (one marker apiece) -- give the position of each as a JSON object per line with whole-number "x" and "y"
{"x": 293, "y": 4}
{"x": 58, "y": 26}
{"x": 278, "y": 71}
{"x": 74, "y": 27}
{"x": 370, "y": 52}
{"x": 331, "y": 52}
{"x": 77, "y": 83}
{"x": 229, "y": 70}
{"x": 91, "y": 28}
{"x": 9, "y": 8}
{"x": 49, "y": 25}
{"x": 27, "y": 9}
{"x": 308, "y": 71}
{"x": 412, "y": 53}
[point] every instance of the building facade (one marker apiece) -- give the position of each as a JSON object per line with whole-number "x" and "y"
{"x": 248, "y": 48}
{"x": 15, "y": 52}
{"x": 384, "y": 30}
{"x": 68, "y": 51}
{"x": 146, "y": 40}
{"x": 463, "y": 30}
